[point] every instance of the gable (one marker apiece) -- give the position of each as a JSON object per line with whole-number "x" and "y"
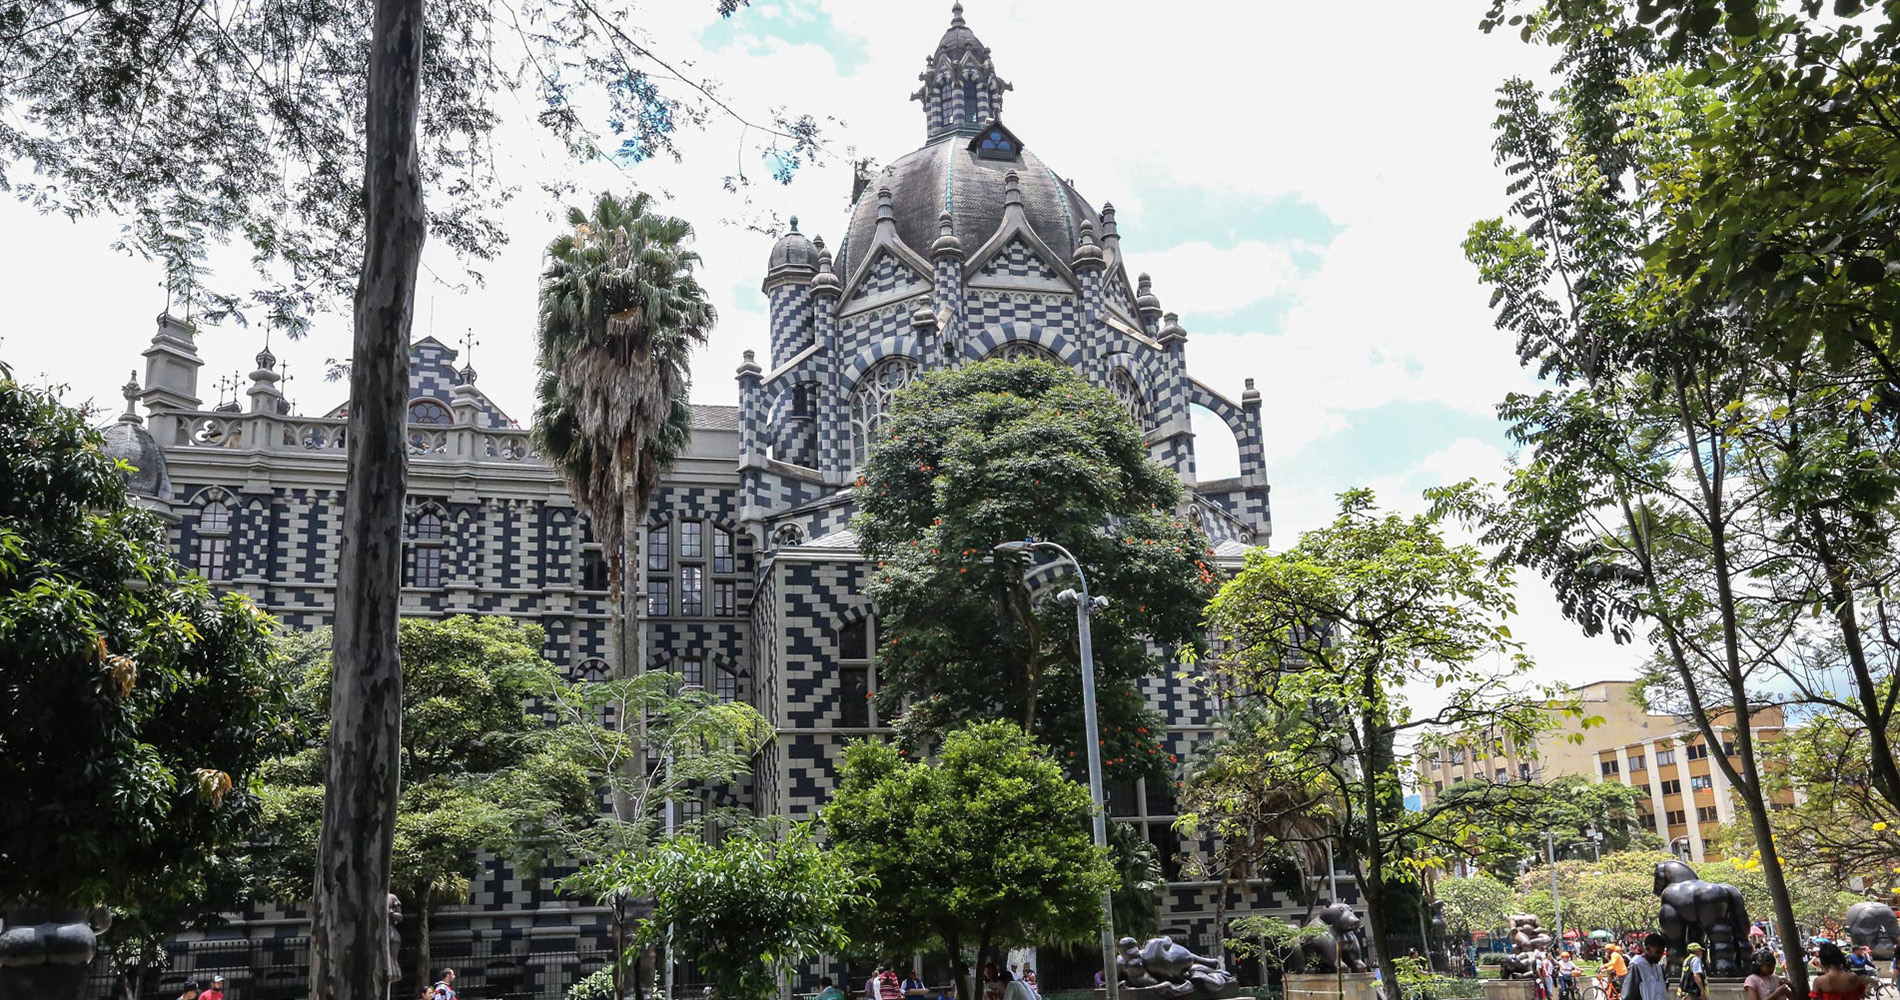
{"x": 996, "y": 142}
{"x": 888, "y": 276}
{"x": 1017, "y": 260}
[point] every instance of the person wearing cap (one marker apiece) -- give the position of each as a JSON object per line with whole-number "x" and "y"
{"x": 1694, "y": 983}
{"x": 190, "y": 992}
{"x": 1646, "y": 979}
{"x": 216, "y": 992}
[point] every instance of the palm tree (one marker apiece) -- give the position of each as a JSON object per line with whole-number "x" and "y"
{"x": 621, "y": 311}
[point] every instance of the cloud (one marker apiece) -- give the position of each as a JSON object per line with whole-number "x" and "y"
{"x": 1220, "y": 282}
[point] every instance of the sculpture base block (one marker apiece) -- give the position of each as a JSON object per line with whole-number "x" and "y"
{"x": 1330, "y": 986}
{"x": 1510, "y": 989}
{"x": 1228, "y": 991}
{"x": 1726, "y": 989}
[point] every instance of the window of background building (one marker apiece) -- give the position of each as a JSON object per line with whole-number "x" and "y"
{"x": 1438, "y": 786}
{"x": 1636, "y": 762}
{"x": 593, "y": 570}
{"x": 1695, "y": 751}
{"x": 1675, "y": 817}
{"x": 1457, "y": 756}
{"x": 1705, "y": 814}
{"x": 1503, "y": 774}
{"x": 1524, "y": 772}
{"x": 677, "y": 552}
{"x": 725, "y": 684}
{"x": 1608, "y": 767}
{"x": 659, "y": 598}
{"x": 1664, "y": 758}
{"x": 1673, "y": 786}
{"x": 1728, "y": 748}
{"x": 855, "y": 643}
{"x": 693, "y": 671}
{"x": 1167, "y": 849}
{"x": 1701, "y": 783}
{"x": 214, "y": 529}
{"x": 1648, "y": 820}
{"x": 426, "y": 536}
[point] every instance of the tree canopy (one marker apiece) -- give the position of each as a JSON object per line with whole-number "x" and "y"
{"x": 1474, "y": 902}
{"x": 137, "y": 705}
{"x": 1000, "y": 451}
{"x": 987, "y": 845}
{"x": 741, "y": 907}
{"x": 1502, "y": 827}
{"x": 1329, "y": 634}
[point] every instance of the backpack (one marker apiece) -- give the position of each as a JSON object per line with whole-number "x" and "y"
{"x": 1688, "y": 985}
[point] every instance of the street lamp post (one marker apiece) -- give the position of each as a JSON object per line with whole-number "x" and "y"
{"x": 1595, "y": 837}
{"x": 1085, "y": 606}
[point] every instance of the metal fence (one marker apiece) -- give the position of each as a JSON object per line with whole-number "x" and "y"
{"x": 279, "y": 969}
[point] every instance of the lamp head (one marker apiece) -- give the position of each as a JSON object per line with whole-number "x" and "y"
{"x": 1015, "y": 548}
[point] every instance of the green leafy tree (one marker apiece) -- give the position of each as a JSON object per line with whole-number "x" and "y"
{"x": 999, "y": 451}
{"x": 481, "y": 770}
{"x": 1329, "y": 635}
{"x": 1501, "y": 832}
{"x": 740, "y": 908}
{"x": 1474, "y": 902}
{"x": 136, "y": 704}
{"x": 986, "y": 845}
{"x": 1265, "y": 820}
{"x": 311, "y": 132}
{"x": 1139, "y": 880}
{"x": 1268, "y": 940}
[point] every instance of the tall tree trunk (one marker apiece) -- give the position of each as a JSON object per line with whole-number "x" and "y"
{"x": 1372, "y": 881}
{"x": 425, "y": 972}
{"x": 349, "y": 910}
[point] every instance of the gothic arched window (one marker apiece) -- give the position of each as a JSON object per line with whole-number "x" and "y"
{"x": 1025, "y": 350}
{"x": 871, "y": 401}
{"x": 996, "y": 145}
{"x": 429, "y": 411}
{"x": 1129, "y": 393}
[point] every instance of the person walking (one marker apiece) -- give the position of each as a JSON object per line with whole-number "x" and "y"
{"x": 871, "y": 991}
{"x": 1567, "y": 977}
{"x": 445, "y": 986}
{"x": 190, "y": 992}
{"x": 887, "y": 986}
{"x": 216, "y": 992}
{"x": 827, "y": 990}
{"x": 1646, "y": 979}
{"x": 1694, "y": 983}
{"x": 913, "y": 985}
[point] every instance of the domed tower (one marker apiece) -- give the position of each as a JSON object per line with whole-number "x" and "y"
{"x": 788, "y": 289}
{"x": 966, "y": 249}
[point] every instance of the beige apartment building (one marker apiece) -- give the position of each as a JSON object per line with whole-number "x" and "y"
{"x": 1661, "y": 754}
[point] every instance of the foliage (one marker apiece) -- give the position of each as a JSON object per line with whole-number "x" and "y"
{"x": 1474, "y": 902}
{"x": 204, "y": 125}
{"x": 740, "y": 907}
{"x": 1329, "y": 634}
{"x": 481, "y": 770}
{"x": 999, "y": 451}
{"x": 1268, "y": 940}
{"x": 621, "y": 312}
{"x": 1498, "y": 834}
{"x": 1139, "y": 881}
{"x": 1696, "y": 470}
{"x": 1844, "y": 828}
{"x": 1618, "y": 892}
{"x": 986, "y": 845}
{"x": 596, "y": 985}
{"x": 1263, "y": 817}
{"x": 138, "y": 703}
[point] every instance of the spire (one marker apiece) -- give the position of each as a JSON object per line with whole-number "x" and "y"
{"x": 131, "y": 392}
{"x": 961, "y": 91}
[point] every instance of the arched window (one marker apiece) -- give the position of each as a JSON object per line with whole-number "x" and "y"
{"x": 429, "y": 411}
{"x": 1129, "y": 393}
{"x": 1024, "y": 350}
{"x": 214, "y": 540}
{"x": 426, "y": 543}
{"x": 215, "y": 517}
{"x": 871, "y": 402}
{"x": 996, "y": 145}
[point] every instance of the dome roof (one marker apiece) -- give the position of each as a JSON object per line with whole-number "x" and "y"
{"x": 792, "y": 252}
{"x": 948, "y": 176}
{"x": 129, "y": 440}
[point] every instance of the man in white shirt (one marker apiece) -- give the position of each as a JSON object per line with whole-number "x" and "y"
{"x": 870, "y": 985}
{"x": 1647, "y": 979}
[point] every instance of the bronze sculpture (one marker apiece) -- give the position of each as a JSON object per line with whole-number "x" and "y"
{"x": 1873, "y": 924}
{"x": 1696, "y": 911}
{"x": 1528, "y": 937}
{"x": 1162, "y": 968}
{"x": 1341, "y": 949}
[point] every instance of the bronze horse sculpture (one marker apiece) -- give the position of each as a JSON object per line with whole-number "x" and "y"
{"x": 1693, "y": 910}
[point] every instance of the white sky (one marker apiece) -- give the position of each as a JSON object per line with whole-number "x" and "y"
{"x": 1372, "y": 345}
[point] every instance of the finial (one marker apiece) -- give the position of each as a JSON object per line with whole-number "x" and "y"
{"x": 1145, "y": 299}
{"x": 1171, "y": 328}
{"x": 956, "y": 15}
{"x": 469, "y": 343}
{"x": 1085, "y": 249}
{"x": 468, "y": 374}
{"x": 1012, "y": 189}
{"x": 265, "y": 359}
{"x": 1250, "y": 385}
{"x": 794, "y": 223}
{"x": 827, "y": 279}
{"x": 885, "y": 211}
{"x": 131, "y": 392}
{"x": 748, "y": 355}
{"x": 947, "y": 242}
{"x": 1111, "y": 237}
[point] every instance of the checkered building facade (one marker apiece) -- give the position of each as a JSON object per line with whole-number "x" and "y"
{"x": 965, "y": 250}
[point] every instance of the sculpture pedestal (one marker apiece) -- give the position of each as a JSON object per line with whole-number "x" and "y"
{"x": 1330, "y": 986}
{"x": 1726, "y": 989}
{"x": 1510, "y": 989}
